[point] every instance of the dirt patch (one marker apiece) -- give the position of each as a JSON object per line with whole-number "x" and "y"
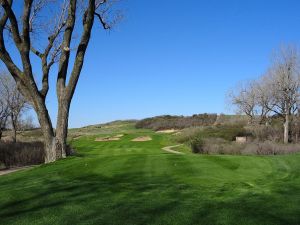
{"x": 141, "y": 139}
{"x": 169, "y": 131}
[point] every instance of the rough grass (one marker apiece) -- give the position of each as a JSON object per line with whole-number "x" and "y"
{"x": 133, "y": 183}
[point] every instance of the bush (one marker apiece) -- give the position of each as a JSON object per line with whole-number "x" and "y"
{"x": 221, "y": 146}
{"x": 21, "y": 153}
{"x": 270, "y": 148}
{"x": 197, "y": 145}
{"x": 266, "y": 133}
{"x": 227, "y": 133}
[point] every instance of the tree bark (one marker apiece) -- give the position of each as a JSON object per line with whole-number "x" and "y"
{"x": 286, "y": 129}
{"x": 14, "y": 128}
{"x": 62, "y": 129}
{"x": 14, "y": 132}
{"x": 47, "y": 129}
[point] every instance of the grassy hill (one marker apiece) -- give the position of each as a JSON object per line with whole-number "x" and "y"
{"x": 124, "y": 182}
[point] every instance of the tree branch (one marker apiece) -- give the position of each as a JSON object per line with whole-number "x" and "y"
{"x": 13, "y": 20}
{"x": 105, "y": 25}
{"x": 85, "y": 38}
{"x": 65, "y": 55}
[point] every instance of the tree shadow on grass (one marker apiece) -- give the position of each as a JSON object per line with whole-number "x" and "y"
{"x": 133, "y": 199}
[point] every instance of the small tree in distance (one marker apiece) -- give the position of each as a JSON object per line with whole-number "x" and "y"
{"x": 15, "y": 102}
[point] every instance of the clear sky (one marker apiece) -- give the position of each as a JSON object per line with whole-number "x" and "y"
{"x": 178, "y": 57}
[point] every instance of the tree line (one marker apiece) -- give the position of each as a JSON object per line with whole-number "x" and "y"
{"x": 274, "y": 94}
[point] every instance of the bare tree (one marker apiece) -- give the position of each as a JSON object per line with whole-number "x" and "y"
{"x": 14, "y": 100}
{"x": 283, "y": 84}
{"x": 244, "y": 97}
{"x": 263, "y": 100}
{"x": 68, "y": 19}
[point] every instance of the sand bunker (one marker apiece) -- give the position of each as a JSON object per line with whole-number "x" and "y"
{"x": 109, "y": 138}
{"x": 166, "y": 131}
{"x": 118, "y": 135}
{"x": 143, "y": 138}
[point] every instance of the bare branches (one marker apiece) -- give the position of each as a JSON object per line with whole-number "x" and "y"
{"x": 244, "y": 98}
{"x": 13, "y": 20}
{"x": 13, "y": 100}
{"x": 277, "y": 92}
{"x": 107, "y": 16}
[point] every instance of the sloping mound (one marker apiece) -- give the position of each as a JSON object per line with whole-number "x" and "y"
{"x": 141, "y": 139}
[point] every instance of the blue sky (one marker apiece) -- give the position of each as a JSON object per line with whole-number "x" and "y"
{"x": 177, "y": 57}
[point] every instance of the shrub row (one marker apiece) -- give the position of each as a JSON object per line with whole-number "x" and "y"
{"x": 21, "y": 153}
{"x": 177, "y": 122}
{"x": 221, "y": 146}
{"x": 226, "y": 132}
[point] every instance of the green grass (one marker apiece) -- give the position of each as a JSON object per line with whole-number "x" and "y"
{"x": 124, "y": 182}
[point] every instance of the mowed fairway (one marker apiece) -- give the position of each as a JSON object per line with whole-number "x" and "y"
{"x": 127, "y": 183}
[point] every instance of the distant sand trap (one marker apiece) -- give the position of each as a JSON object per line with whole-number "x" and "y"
{"x": 118, "y": 136}
{"x": 107, "y": 139}
{"x": 143, "y": 138}
{"x": 166, "y": 131}
{"x": 77, "y": 137}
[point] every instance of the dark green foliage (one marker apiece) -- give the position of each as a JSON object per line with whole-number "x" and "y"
{"x": 177, "y": 122}
{"x": 226, "y": 132}
{"x": 197, "y": 144}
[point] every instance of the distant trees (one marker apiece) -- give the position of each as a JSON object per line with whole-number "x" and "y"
{"x": 12, "y": 104}
{"x": 277, "y": 92}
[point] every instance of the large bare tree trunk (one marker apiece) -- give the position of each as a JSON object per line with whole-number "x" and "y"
{"x": 47, "y": 130}
{"x": 286, "y": 129}
{"x": 62, "y": 129}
